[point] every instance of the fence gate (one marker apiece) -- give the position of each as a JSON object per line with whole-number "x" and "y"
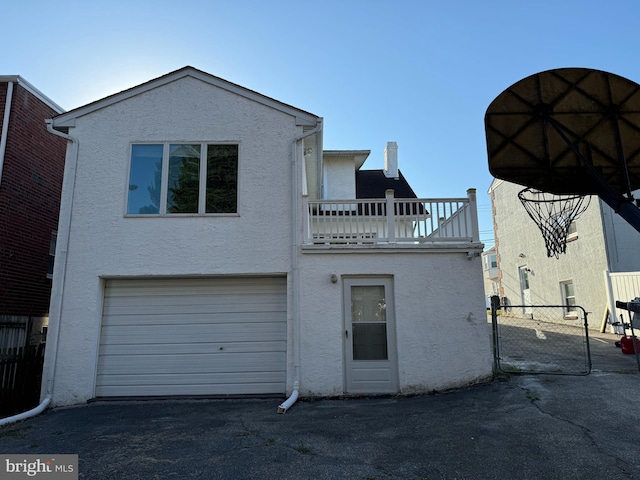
{"x": 551, "y": 339}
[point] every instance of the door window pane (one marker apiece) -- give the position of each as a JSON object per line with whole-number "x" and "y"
{"x": 222, "y": 176}
{"x": 368, "y": 321}
{"x": 145, "y": 179}
{"x": 184, "y": 179}
{"x": 370, "y": 341}
{"x": 368, "y": 304}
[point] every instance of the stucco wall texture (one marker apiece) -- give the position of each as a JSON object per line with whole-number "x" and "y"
{"x": 106, "y": 243}
{"x": 442, "y": 331}
{"x": 443, "y": 338}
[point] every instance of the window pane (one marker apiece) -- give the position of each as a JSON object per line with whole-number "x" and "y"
{"x": 184, "y": 179}
{"x": 368, "y": 304}
{"x": 569, "y": 296}
{"x": 568, "y": 289}
{"x": 370, "y": 341}
{"x": 145, "y": 179}
{"x": 524, "y": 278}
{"x": 222, "y": 179}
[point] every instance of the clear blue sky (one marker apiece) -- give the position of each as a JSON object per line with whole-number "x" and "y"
{"x": 418, "y": 72}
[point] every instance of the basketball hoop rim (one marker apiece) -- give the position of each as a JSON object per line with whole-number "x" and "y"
{"x": 547, "y": 197}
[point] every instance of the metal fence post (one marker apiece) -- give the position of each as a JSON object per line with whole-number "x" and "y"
{"x": 495, "y": 306}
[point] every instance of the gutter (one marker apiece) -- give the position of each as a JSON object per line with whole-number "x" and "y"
{"x": 11, "y": 81}
{"x": 295, "y": 274}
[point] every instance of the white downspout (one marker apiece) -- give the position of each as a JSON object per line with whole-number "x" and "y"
{"x": 62, "y": 249}
{"x": 5, "y": 126}
{"x": 59, "y": 273}
{"x": 295, "y": 275}
{"x": 30, "y": 413}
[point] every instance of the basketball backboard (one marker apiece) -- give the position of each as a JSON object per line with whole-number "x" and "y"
{"x": 569, "y": 131}
{"x": 529, "y": 125}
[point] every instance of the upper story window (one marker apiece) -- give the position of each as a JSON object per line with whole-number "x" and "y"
{"x": 490, "y": 261}
{"x": 183, "y": 178}
{"x": 560, "y": 223}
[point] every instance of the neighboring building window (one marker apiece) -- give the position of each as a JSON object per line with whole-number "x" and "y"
{"x": 568, "y": 296}
{"x": 52, "y": 253}
{"x": 490, "y": 261}
{"x": 560, "y": 223}
{"x": 181, "y": 178}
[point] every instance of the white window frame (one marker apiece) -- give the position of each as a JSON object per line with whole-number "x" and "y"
{"x": 164, "y": 182}
{"x": 569, "y": 309}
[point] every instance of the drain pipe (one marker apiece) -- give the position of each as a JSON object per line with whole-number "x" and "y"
{"x": 5, "y": 125}
{"x": 30, "y": 413}
{"x": 62, "y": 248}
{"x": 59, "y": 273}
{"x": 295, "y": 275}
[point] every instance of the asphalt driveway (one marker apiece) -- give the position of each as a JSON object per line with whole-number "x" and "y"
{"x": 517, "y": 427}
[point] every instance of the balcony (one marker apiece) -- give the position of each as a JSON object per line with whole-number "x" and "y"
{"x": 392, "y": 221}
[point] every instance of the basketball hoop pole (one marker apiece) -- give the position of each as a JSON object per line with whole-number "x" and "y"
{"x": 621, "y": 205}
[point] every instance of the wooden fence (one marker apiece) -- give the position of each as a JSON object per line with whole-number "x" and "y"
{"x": 20, "y": 378}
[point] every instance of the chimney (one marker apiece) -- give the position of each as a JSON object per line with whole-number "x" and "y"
{"x": 391, "y": 160}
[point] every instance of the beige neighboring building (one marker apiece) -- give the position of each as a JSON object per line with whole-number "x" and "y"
{"x": 600, "y": 243}
{"x": 490, "y": 274}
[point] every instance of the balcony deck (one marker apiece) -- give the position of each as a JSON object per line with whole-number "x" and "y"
{"x": 392, "y": 221}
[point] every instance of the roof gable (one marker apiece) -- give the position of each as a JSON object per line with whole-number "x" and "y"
{"x": 68, "y": 119}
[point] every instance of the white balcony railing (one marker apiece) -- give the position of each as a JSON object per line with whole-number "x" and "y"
{"x": 392, "y": 220}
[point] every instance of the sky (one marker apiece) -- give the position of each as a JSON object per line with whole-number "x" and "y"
{"x": 418, "y": 72}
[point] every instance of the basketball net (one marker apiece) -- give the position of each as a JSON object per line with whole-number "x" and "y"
{"x": 553, "y": 214}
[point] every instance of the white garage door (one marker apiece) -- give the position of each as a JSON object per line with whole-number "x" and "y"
{"x": 214, "y": 336}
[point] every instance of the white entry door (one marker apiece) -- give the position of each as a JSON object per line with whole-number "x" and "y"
{"x": 370, "y": 340}
{"x": 523, "y": 273}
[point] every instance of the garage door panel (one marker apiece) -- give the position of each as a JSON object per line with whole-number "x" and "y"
{"x": 188, "y": 298}
{"x": 187, "y": 365}
{"x": 195, "y": 286}
{"x": 196, "y": 348}
{"x": 204, "y": 333}
{"x": 150, "y": 306}
{"x": 195, "y": 318}
{"x": 238, "y": 378}
{"x": 188, "y": 390}
{"x": 193, "y": 336}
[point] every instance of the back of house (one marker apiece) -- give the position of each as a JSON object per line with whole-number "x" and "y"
{"x": 197, "y": 257}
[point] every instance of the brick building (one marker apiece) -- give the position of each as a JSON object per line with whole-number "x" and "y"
{"x": 31, "y": 171}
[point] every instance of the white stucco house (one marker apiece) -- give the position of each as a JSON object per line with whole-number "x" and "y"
{"x": 208, "y": 245}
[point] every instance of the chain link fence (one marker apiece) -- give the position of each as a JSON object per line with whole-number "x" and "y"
{"x": 550, "y": 339}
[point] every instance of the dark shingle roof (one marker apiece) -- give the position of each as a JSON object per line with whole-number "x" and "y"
{"x": 373, "y": 184}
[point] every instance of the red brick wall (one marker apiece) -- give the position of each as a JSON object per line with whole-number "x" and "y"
{"x": 29, "y": 204}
